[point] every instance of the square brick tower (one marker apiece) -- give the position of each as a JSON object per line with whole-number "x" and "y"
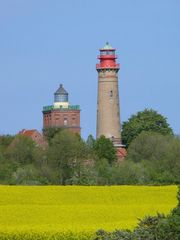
{"x": 61, "y": 114}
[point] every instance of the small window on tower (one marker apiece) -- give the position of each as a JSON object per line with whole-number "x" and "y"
{"x": 73, "y": 121}
{"x": 65, "y": 121}
{"x": 111, "y": 93}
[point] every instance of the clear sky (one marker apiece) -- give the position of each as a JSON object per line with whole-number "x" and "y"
{"x": 47, "y": 42}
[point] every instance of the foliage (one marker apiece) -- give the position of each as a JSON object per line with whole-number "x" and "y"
{"x": 103, "y": 172}
{"x": 6, "y": 172}
{"x": 88, "y": 176}
{"x": 129, "y": 173}
{"x": 21, "y": 150}
{"x": 161, "y": 155}
{"x": 50, "y": 132}
{"x": 104, "y": 149}
{"x": 66, "y": 152}
{"x": 26, "y": 175}
{"x": 5, "y": 141}
{"x": 147, "y": 120}
{"x": 153, "y": 159}
{"x": 116, "y": 235}
{"x": 90, "y": 143}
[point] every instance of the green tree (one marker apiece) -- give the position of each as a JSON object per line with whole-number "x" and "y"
{"x": 21, "y": 150}
{"x": 5, "y": 141}
{"x": 105, "y": 149}
{"x": 26, "y": 175}
{"x": 50, "y": 132}
{"x": 128, "y": 172}
{"x": 161, "y": 155}
{"x": 66, "y": 153}
{"x": 149, "y": 146}
{"x": 103, "y": 170}
{"x": 90, "y": 142}
{"x": 147, "y": 120}
{"x": 6, "y": 169}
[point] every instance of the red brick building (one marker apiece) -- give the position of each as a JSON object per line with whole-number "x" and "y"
{"x": 36, "y": 136}
{"x": 61, "y": 113}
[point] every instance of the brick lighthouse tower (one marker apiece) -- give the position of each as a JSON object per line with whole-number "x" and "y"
{"x": 61, "y": 114}
{"x": 108, "y": 115}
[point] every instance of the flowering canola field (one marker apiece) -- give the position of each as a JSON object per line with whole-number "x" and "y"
{"x": 78, "y": 210}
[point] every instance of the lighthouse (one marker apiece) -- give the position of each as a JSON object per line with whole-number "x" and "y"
{"x": 108, "y": 112}
{"x": 61, "y": 114}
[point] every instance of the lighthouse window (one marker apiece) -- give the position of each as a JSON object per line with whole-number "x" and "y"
{"x": 111, "y": 93}
{"x": 103, "y": 53}
{"x": 111, "y": 52}
{"x": 61, "y": 98}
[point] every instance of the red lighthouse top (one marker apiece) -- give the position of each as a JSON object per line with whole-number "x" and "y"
{"x": 107, "y": 58}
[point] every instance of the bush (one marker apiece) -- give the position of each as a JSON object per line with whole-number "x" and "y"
{"x": 161, "y": 155}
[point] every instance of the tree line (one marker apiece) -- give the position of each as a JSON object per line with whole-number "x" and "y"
{"x": 153, "y": 156}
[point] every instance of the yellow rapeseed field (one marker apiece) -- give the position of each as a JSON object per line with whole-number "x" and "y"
{"x": 80, "y": 209}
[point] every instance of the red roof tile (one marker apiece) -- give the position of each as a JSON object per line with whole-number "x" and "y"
{"x": 28, "y": 133}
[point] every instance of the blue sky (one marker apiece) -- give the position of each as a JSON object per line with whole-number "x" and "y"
{"x": 47, "y": 42}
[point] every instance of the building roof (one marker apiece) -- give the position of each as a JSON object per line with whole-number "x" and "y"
{"x": 36, "y": 136}
{"x": 28, "y": 133}
{"x": 61, "y": 90}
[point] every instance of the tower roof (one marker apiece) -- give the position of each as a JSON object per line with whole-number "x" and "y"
{"x": 107, "y": 46}
{"x": 61, "y": 91}
{"x": 61, "y": 95}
